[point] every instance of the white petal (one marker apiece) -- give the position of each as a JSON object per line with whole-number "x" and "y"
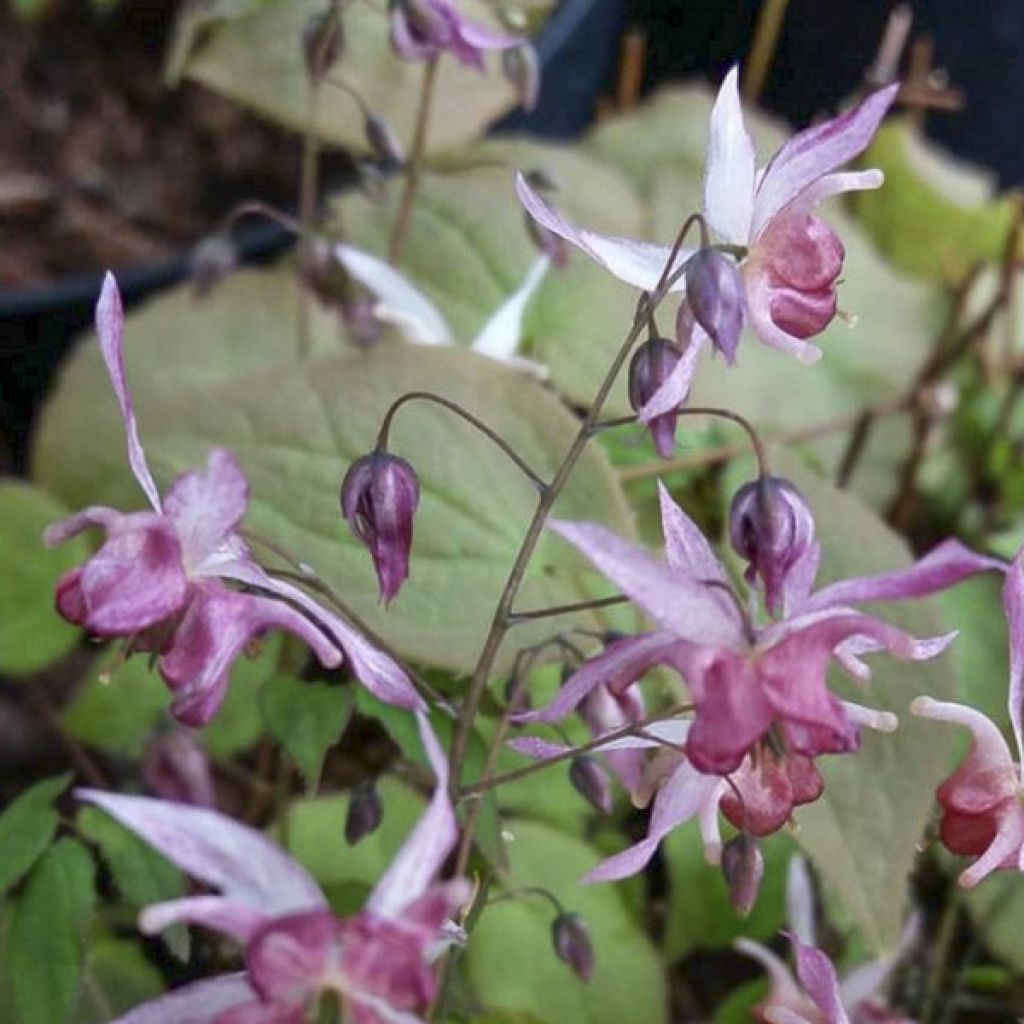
{"x": 729, "y": 176}
{"x": 502, "y": 334}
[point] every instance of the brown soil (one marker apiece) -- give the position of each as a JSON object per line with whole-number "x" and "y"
{"x": 100, "y": 163}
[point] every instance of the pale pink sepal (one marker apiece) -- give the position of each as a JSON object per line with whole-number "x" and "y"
{"x": 419, "y": 860}
{"x": 1013, "y": 607}
{"x": 201, "y": 1002}
{"x": 640, "y": 264}
{"x": 110, "y": 328}
{"x": 686, "y": 548}
{"x": 242, "y": 863}
{"x": 818, "y": 977}
{"x": 816, "y": 152}
{"x": 730, "y": 168}
{"x": 238, "y": 921}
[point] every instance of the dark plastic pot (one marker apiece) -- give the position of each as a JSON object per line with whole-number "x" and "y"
{"x": 577, "y": 48}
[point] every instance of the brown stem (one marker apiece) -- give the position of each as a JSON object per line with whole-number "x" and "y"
{"x": 458, "y": 410}
{"x": 516, "y": 618}
{"x": 489, "y": 782}
{"x": 412, "y": 174}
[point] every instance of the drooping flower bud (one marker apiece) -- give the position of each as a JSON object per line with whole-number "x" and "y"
{"x": 743, "y": 867}
{"x": 771, "y": 526}
{"x": 211, "y": 260}
{"x": 175, "y": 767}
{"x": 591, "y": 781}
{"x": 359, "y": 313}
{"x": 420, "y": 29}
{"x": 714, "y": 291}
{"x": 379, "y": 496}
{"x": 571, "y": 940}
{"x": 322, "y": 43}
{"x": 521, "y": 68}
{"x": 365, "y": 812}
{"x": 517, "y": 695}
{"x": 650, "y": 367}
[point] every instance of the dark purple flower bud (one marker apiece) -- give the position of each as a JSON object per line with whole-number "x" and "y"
{"x": 771, "y": 526}
{"x": 714, "y": 291}
{"x": 743, "y": 867}
{"x": 517, "y": 695}
{"x": 572, "y": 944}
{"x": 365, "y": 812}
{"x": 379, "y": 496}
{"x": 212, "y": 260}
{"x": 383, "y": 141}
{"x": 649, "y": 368}
{"x": 322, "y": 42}
{"x": 521, "y": 67}
{"x": 591, "y": 781}
{"x": 175, "y": 767}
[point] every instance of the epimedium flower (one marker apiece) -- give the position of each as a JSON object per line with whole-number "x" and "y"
{"x": 160, "y": 578}
{"x": 377, "y": 964}
{"x": 403, "y": 304}
{"x": 983, "y": 800}
{"x": 749, "y": 681}
{"x": 789, "y": 259}
{"x": 424, "y": 29}
{"x": 816, "y": 995}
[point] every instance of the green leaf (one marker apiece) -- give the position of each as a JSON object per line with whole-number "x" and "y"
{"x": 117, "y": 709}
{"x": 192, "y": 24}
{"x": 863, "y": 834}
{"x": 45, "y": 955}
{"x": 628, "y": 982}
{"x": 26, "y": 828}
{"x": 257, "y": 59}
{"x": 142, "y": 875}
{"x": 295, "y": 428}
{"x": 700, "y": 915}
{"x": 996, "y": 907}
{"x": 32, "y": 634}
{"x": 116, "y": 977}
{"x": 737, "y": 1006}
{"x": 307, "y": 719}
{"x": 936, "y": 216}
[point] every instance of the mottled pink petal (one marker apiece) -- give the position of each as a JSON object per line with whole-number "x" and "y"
{"x": 640, "y": 264}
{"x": 943, "y": 566}
{"x": 136, "y": 579}
{"x": 678, "y": 800}
{"x": 110, "y": 329}
{"x": 236, "y": 920}
{"x": 377, "y": 671}
{"x": 818, "y": 977}
{"x": 1013, "y": 607}
{"x": 217, "y": 626}
{"x": 622, "y": 662}
{"x": 65, "y": 529}
{"x": 202, "y": 1002}
{"x": 206, "y": 506}
{"x": 419, "y": 860}
{"x": 732, "y": 714}
{"x": 242, "y": 863}
{"x": 686, "y": 548}
{"x": 729, "y": 171}
{"x": 816, "y": 152}
{"x": 802, "y": 314}
{"x": 675, "y": 600}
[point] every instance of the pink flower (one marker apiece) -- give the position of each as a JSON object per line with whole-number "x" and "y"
{"x": 748, "y": 680}
{"x": 816, "y": 995}
{"x": 159, "y": 578}
{"x": 424, "y": 29}
{"x": 377, "y": 963}
{"x": 790, "y": 260}
{"x": 983, "y": 800}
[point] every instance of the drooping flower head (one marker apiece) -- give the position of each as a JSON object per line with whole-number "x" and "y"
{"x": 983, "y": 800}
{"x": 762, "y": 707}
{"x": 789, "y": 259}
{"x": 378, "y": 964}
{"x": 423, "y": 29}
{"x": 160, "y": 577}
